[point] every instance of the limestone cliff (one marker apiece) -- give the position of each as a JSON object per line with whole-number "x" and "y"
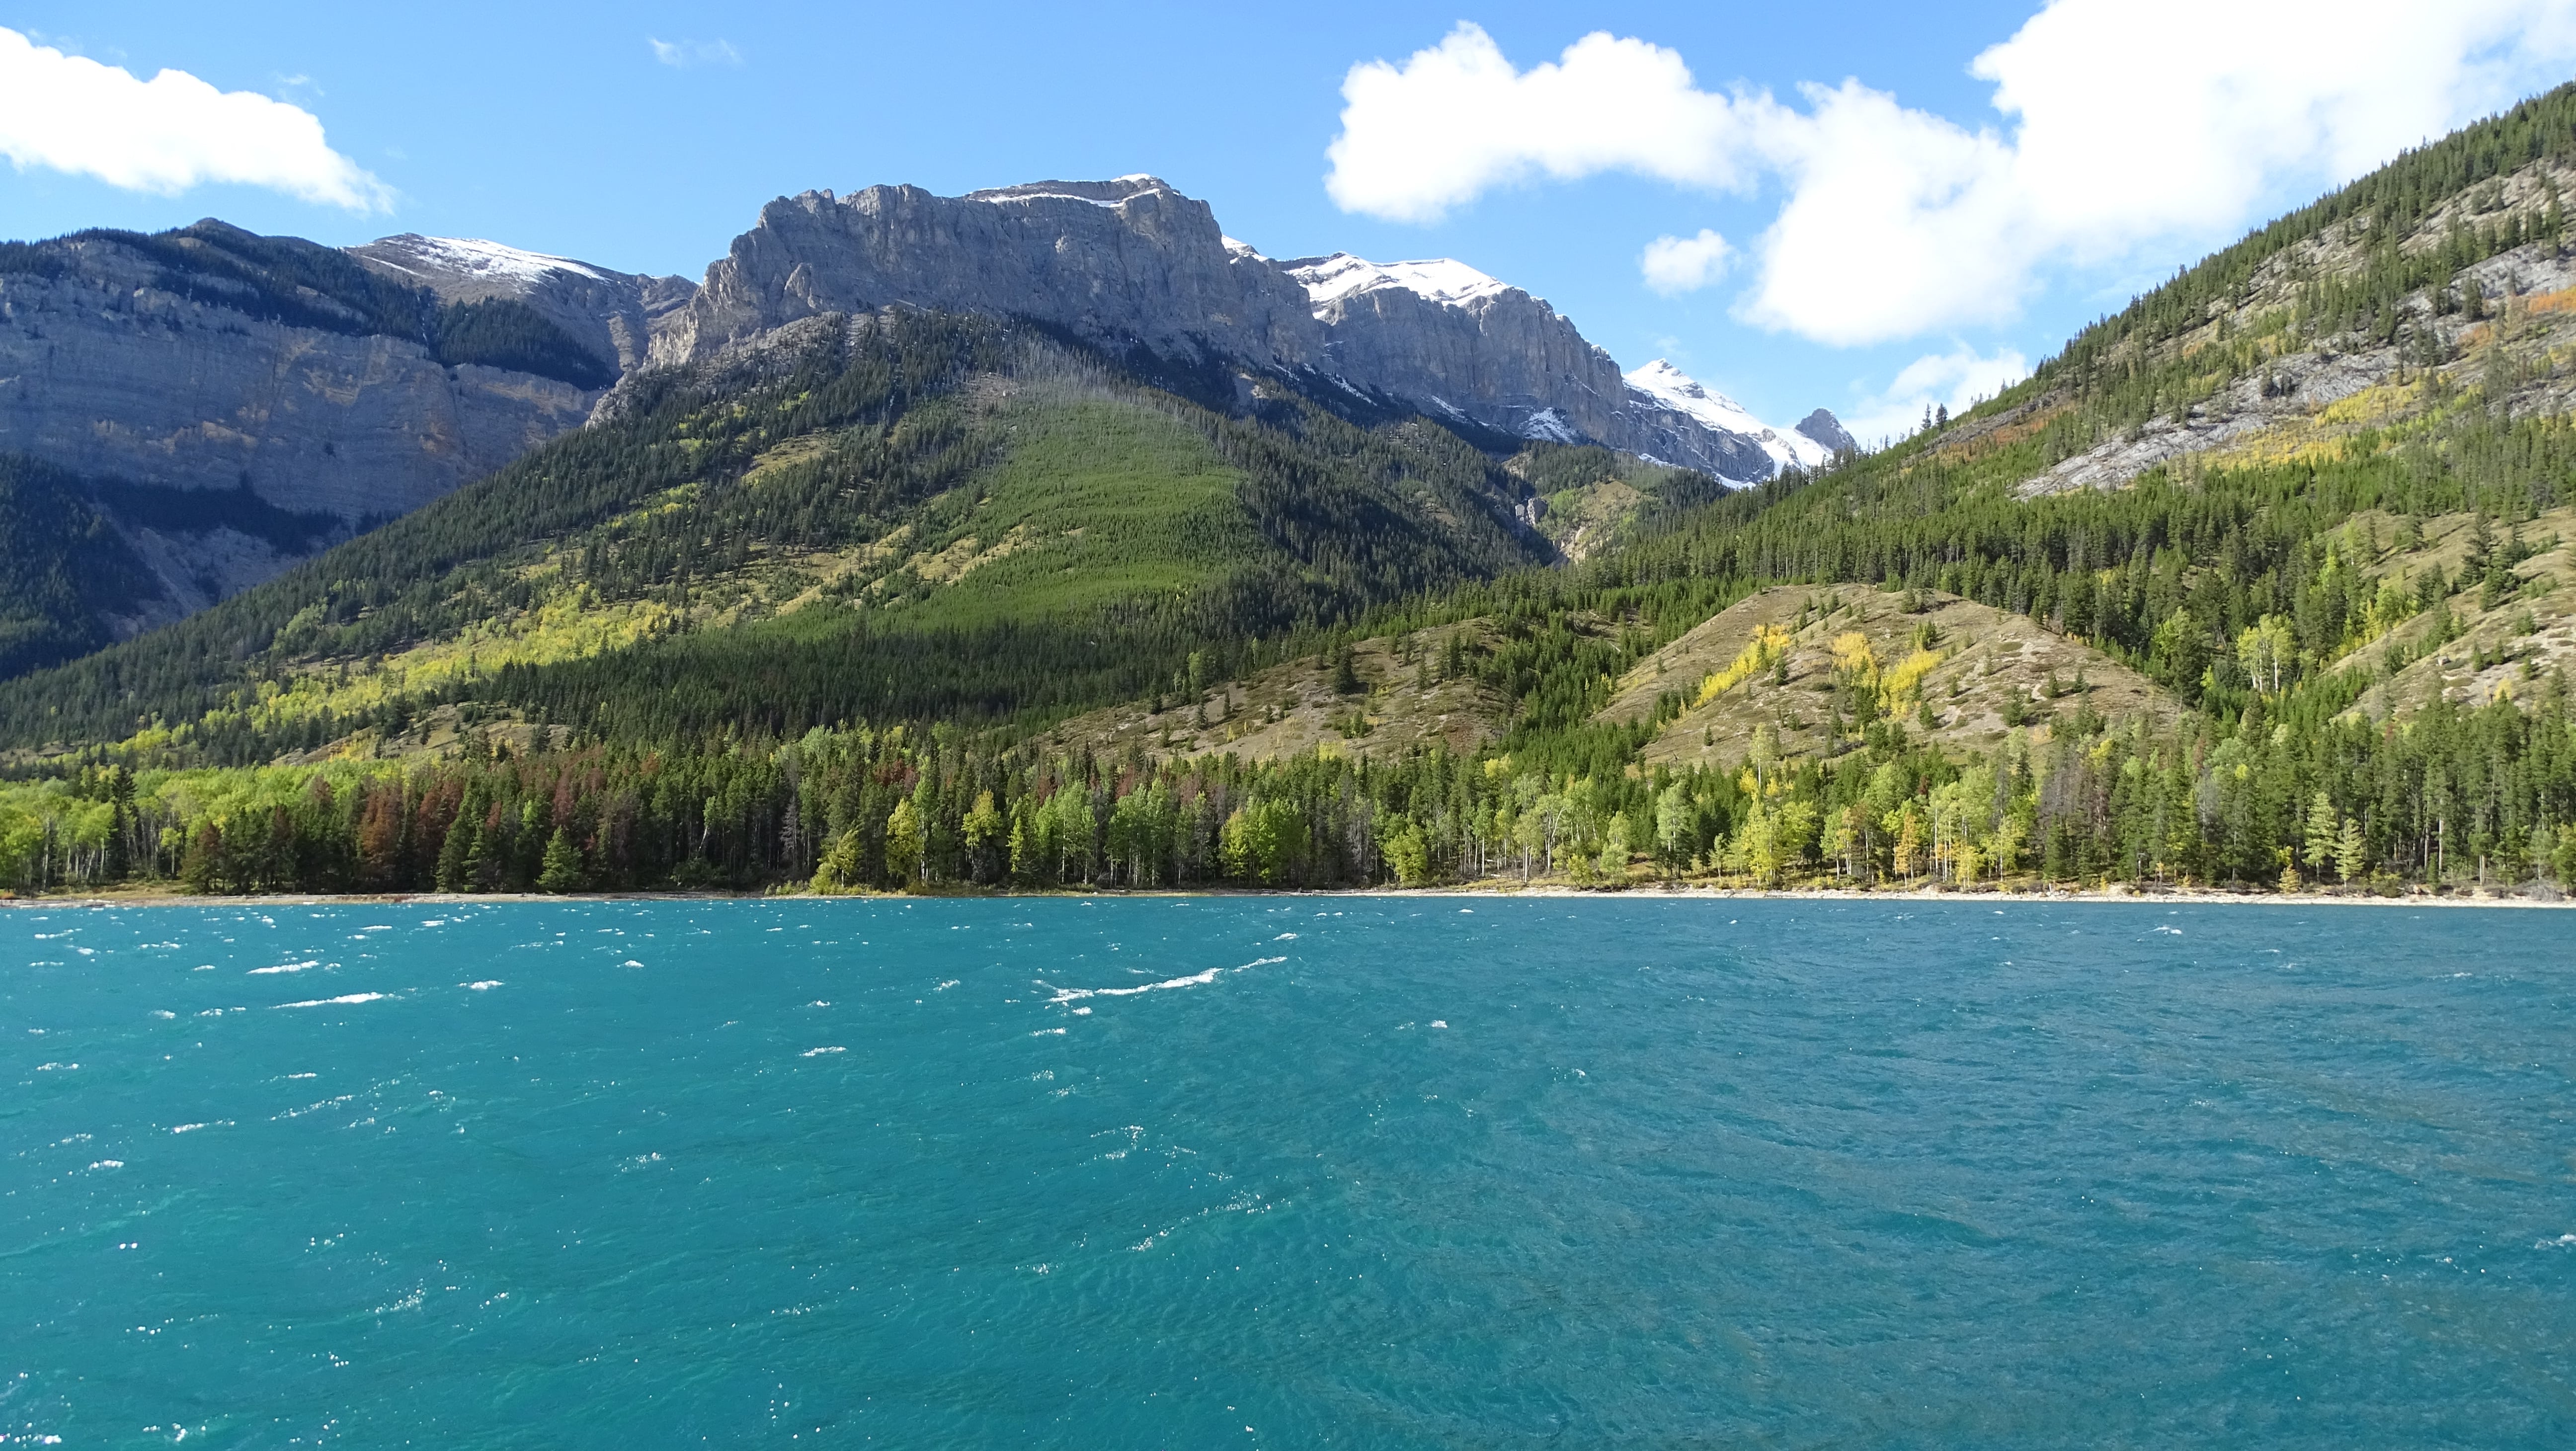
{"x": 1132, "y": 262}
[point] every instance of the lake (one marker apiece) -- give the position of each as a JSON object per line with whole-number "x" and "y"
{"x": 1287, "y": 1172}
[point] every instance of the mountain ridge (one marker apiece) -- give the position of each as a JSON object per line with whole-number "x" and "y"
{"x": 1133, "y": 262}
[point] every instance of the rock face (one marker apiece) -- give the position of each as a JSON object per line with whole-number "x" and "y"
{"x": 1115, "y": 262}
{"x": 1828, "y": 430}
{"x": 1132, "y": 262}
{"x": 612, "y": 314}
{"x": 108, "y": 367}
{"x": 245, "y": 401}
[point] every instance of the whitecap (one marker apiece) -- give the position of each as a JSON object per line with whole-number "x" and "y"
{"x": 819, "y": 1052}
{"x": 1196, "y": 979}
{"x": 1440, "y": 1022}
{"x": 50, "y": 1067}
{"x": 163, "y": 1013}
{"x": 344, "y": 998}
{"x": 630, "y": 962}
{"x": 1285, "y": 937}
{"x": 109, "y": 1164}
{"x": 485, "y": 986}
{"x": 221, "y": 1123}
{"x": 286, "y": 967}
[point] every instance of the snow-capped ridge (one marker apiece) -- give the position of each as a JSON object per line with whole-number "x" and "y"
{"x": 1106, "y": 194}
{"x": 1666, "y": 386}
{"x": 475, "y": 257}
{"x": 1341, "y": 276}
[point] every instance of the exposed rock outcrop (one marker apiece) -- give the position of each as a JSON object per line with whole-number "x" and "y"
{"x": 613, "y": 314}
{"x": 1132, "y": 262}
{"x": 240, "y": 402}
{"x": 1116, "y": 263}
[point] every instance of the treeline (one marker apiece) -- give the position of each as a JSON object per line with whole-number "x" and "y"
{"x": 2166, "y": 575}
{"x": 63, "y": 567}
{"x": 662, "y": 505}
{"x": 2280, "y": 800}
{"x": 2389, "y": 204}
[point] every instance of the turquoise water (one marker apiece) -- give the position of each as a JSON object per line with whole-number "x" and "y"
{"x": 1286, "y": 1172}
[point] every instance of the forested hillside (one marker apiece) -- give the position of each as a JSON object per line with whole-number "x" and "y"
{"x": 2262, "y": 582}
{"x": 899, "y": 516}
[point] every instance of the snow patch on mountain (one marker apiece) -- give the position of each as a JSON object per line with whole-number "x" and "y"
{"x": 473, "y": 257}
{"x": 1341, "y": 276}
{"x": 1669, "y": 387}
{"x": 1549, "y": 426}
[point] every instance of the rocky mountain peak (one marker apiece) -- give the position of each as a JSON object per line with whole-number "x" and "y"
{"x": 1332, "y": 281}
{"x": 1661, "y": 384}
{"x": 612, "y": 314}
{"x": 1131, "y": 262}
{"x": 1825, "y": 428}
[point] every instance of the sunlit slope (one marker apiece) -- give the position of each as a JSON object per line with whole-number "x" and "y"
{"x": 898, "y": 515}
{"x": 1821, "y": 666}
{"x": 1402, "y": 693}
{"x": 2171, "y": 489}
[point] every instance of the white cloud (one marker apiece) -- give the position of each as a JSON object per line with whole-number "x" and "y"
{"x": 1957, "y": 380}
{"x": 1457, "y": 119}
{"x": 1684, "y": 264}
{"x": 167, "y": 134}
{"x": 2130, "y": 125}
{"x": 686, "y": 53}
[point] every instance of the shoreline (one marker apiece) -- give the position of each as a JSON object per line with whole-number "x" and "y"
{"x": 2190, "y": 896}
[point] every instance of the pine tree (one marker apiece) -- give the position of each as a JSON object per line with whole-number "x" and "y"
{"x": 903, "y": 843}
{"x": 455, "y": 857}
{"x": 2350, "y": 851}
{"x": 562, "y": 869}
{"x": 2324, "y": 835}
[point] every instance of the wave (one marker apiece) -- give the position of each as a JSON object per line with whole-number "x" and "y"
{"x": 343, "y": 998}
{"x": 1197, "y": 979}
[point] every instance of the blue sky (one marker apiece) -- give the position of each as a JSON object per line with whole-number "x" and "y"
{"x": 1879, "y": 244}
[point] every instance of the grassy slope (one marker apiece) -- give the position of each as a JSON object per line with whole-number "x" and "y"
{"x": 1292, "y": 708}
{"x": 1986, "y": 672}
{"x": 2407, "y": 344}
{"x": 1038, "y": 526}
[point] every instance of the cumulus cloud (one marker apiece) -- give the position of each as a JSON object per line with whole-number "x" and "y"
{"x": 165, "y": 135}
{"x": 686, "y": 53}
{"x": 2124, "y": 125}
{"x": 1957, "y": 380}
{"x": 1684, "y": 264}
{"x": 1454, "y": 120}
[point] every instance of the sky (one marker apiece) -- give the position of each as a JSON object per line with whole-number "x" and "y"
{"x": 1862, "y": 205}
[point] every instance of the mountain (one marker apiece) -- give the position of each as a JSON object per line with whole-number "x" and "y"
{"x": 964, "y": 575}
{"x": 895, "y": 513}
{"x": 219, "y": 404}
{"x": 1132, "y": 265}
{"x": 612, "y": 315}
{"x": 223, "y": 404}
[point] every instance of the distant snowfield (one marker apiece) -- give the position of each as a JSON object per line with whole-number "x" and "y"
{"x": 1674, "y": 389}
{"x": 1329, "y": 280}
{"x": 473, "y": 257}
